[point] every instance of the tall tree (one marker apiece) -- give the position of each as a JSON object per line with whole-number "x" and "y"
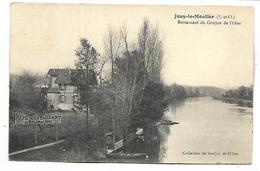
{"x": 151, "y": 49}
{"x": 129, "y": 81}
{"x": 112, "y": 44}
{"x": 87, "y": 58}
{"x": 135, "y": 68}
{"x": 87, "y": 55}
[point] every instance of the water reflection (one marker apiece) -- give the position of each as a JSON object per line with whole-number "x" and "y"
{"x": 207, "y": 125}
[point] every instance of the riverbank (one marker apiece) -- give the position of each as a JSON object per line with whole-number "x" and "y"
{"x": 240, "y": 102}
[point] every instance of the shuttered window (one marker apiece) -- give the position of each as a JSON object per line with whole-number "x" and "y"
{"x": 62, "y": 99}
{"x": 75, "y": 98}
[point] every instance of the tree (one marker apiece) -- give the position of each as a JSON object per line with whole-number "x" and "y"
{"x": 24, "y": 96}
{"x": 112, "y": 44}
{"x": 101, "y": 63}
{"x": 100, "y": 104}
{"x": 87, "y": 58}
{"x": 151, "y": 49}
{"x": 148, "y": 65}
{"x": 133, "y": 69}
{"x": 128, "y": 68}
{"x": 153, "y": 103}
{"x": 241, "y": 92}
{"x": 176, "y": 93}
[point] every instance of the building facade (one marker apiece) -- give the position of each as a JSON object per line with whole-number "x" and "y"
{"x": 65, "y": 87}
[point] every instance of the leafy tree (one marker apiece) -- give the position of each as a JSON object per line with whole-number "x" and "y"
{"x": 112, "y": 44}
{"x": 150, "y": 47}
{"x": 129, "y": 91}
{"x": 24, "y": 96}
{"x": 87, "y": 58}
{"x": 153, "y": 104}
{"x": 176, "y": 92}
{"x": 241, "y": 92}
{"x": 87, "y": 55}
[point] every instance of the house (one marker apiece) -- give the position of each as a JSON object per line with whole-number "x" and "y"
{"x": 68, "y": 87}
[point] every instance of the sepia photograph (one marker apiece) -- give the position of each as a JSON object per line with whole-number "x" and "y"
{"x": 131, "y": 83}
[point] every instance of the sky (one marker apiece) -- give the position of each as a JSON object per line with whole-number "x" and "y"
{"x": 45, "y": 36}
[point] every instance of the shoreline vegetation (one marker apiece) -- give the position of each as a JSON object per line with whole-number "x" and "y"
{"x": 240, "y": 102}
{"x": 242, "y": 96}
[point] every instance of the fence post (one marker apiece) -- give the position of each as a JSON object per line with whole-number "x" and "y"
{"x": 124, "y": 141}
{"x": 57, "y": 132}
{"x": 35, "y": 135}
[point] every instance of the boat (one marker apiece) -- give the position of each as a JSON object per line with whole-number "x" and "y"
{"x": 168, "y": 122}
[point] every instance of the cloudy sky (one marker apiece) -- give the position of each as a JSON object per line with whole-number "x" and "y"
{"x": 46, "y": 36}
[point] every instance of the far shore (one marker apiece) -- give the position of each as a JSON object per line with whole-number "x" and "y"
{"x": 240, "y": 102}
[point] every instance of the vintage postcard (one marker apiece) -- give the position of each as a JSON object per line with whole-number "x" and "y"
{"x": 131, "y": 83}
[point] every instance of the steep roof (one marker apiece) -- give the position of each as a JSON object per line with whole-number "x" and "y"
{"x": 63, "y": 79}
{"x": 44, "y": 90}
{"x": 56, "y": 72}
{"x": 53, "y": 90}
{"x": 73, "y": 76}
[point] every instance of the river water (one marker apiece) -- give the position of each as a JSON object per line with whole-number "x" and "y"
{"x": 209, "y": 131}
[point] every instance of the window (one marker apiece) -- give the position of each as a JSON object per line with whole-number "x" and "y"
{"x": 62, "y": 87}
{"x": 62, "y": 99}
{"x": 75, "y": 98}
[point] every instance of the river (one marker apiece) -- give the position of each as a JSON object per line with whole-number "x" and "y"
{"x": 209, "y": 131}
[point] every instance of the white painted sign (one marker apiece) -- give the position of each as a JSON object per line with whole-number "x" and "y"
{"x": 33, "y": 120}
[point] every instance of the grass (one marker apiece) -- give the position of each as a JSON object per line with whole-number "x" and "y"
{"x": 55, "y": 153}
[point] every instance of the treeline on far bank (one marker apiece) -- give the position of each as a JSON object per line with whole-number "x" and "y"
{"x": 243, "y": 96}
{"x": 175, "y": 93}
{"x": 241, "y": 92}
